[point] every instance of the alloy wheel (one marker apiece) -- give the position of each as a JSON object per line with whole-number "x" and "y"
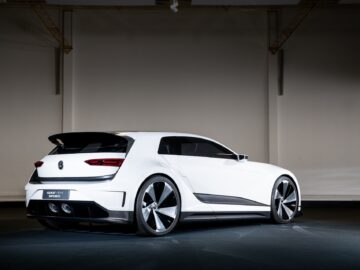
{"x": 285, "y": 199}
{"x": 160, "y": 206}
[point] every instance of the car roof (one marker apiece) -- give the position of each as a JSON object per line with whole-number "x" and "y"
{"x": 149, "y": 134}
{"x": 156, "y": 134}
{"x": 160, "y": 134}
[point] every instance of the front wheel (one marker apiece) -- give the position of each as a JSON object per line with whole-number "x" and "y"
{"x": 284, "y": 200}
{"x": 157, "y": 206}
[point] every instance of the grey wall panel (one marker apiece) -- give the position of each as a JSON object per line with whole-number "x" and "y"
{"x": 319, "y": 126}
{"x": 195, "y": 71}
{"x": 29, "y": 108}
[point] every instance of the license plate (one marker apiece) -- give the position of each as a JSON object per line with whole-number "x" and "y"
{"x": 56, "y": 194}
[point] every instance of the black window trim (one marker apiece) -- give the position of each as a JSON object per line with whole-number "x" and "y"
{"x": 234, "y": 154}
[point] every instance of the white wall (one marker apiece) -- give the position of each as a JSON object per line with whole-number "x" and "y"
{"x": 195, "y": 71}
{"x": 319, "y": 114}
{"x": 202, "y": 71}
{"x": 29, "y": 108}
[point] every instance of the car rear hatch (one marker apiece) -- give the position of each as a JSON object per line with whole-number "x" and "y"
{"x": 83, "y": 156}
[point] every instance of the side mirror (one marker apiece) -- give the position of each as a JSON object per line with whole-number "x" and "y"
{"x": 243, "y": 157}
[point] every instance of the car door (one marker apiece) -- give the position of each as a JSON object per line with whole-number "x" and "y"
{"x": 216, "y": 175}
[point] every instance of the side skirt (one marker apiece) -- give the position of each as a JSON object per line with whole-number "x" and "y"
{"x": 223, "y": 199}
{"x": 205, "y": 216}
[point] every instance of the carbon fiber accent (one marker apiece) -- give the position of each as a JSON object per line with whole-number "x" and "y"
{"x": 212, "y": 216}
{"x": 81, "y": 211}
{"x": 221, "y": 199}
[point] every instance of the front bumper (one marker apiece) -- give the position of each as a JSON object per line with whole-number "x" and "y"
{"x": 82, "y": 211}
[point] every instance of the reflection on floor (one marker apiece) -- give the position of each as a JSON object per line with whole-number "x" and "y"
{"x": 324, "y": 238}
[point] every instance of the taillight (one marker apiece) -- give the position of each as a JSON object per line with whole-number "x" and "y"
{"x": 114, "y": 162}
{"x": 38, "y": 164}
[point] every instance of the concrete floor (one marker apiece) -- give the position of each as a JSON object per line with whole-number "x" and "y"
{"x": 324, "y": 238}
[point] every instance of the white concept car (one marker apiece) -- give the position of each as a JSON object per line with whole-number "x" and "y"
{"x": 154, "y": 179}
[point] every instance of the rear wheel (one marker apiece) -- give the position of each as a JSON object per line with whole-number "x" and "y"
{"x": 284, "y": 200}
{"x": 157, "y": 206}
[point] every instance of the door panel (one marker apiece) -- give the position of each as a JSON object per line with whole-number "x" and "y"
{"x": 214, "y": 173}
{"x": 233, "y": 183}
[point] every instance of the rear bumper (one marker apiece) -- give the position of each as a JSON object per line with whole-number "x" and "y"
{"x": 82, "y": 211}
{"x": 106, "y": 195}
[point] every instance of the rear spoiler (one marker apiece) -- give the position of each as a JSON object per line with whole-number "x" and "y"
{"x": 72, "y": 138}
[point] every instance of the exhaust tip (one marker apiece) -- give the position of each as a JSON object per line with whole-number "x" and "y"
{"x": 66, "y": 208}
{"x": 53, "y": 208}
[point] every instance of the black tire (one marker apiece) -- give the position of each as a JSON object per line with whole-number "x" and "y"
{"x": 284, "y": 200}
{"x": 157, "y": 213}
{"x": 56, "y": 225}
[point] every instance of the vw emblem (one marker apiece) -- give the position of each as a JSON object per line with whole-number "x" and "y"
{"x": 61, "y": 165}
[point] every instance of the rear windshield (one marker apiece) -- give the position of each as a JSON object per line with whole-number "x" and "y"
{"x": 89, "y": 142}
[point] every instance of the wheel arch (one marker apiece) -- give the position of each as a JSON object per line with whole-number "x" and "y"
{"x": 286, "y": 175}
{"x": 153, "y": 175}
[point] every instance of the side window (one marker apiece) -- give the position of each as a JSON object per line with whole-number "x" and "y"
{"x": 170, "y": 146}
{"x": 190, "y": 146}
